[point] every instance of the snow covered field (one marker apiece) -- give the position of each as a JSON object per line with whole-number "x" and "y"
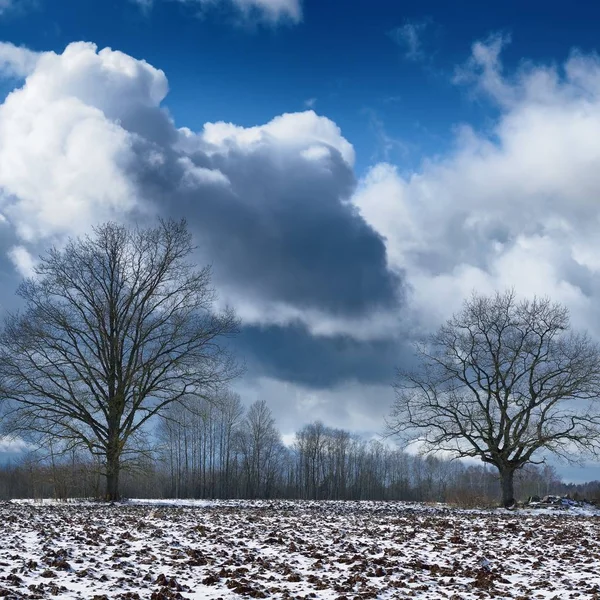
{"x": 333, "y": 550}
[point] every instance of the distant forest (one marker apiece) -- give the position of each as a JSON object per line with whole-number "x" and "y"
{"x": 217, "y": 449}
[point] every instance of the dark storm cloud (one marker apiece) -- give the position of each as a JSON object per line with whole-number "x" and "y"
{"x": 292, "y": 354}
{"x": 282, "y": 228}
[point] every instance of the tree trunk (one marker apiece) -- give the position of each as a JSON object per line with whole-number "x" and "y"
{"x": 508, "y": 488}
{"x": 113, "y": 466}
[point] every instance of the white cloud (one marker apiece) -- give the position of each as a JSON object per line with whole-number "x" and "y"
{"x": 269, "y": 11}
{"x": 193, "y": 175}
{"x": 63, "y": 154}
{"x": 23, "y": 261}
{"x": 519, "y": 207}
{"x": 316, "y": 153}
{"x": 484, "y": 69}
{"x": 16, "y": 61}
{"x": 290, "y": 130}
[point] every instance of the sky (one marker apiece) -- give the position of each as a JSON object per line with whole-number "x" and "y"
{"x": 351, "y": 171}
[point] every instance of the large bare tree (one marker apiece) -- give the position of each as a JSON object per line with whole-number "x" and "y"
{"x": 116, "y": 327}
{"x": 503, "y": 380}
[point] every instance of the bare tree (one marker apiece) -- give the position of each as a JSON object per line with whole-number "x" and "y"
{"x": 503, "y": 380}
{"x": 310, "y": 446}
{"x": 261, "y": 450}
{"x": 116, "y": 327}
{"x": 196, "y": 444}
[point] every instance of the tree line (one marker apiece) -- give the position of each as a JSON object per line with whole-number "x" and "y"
{"x": 218, "y": 449}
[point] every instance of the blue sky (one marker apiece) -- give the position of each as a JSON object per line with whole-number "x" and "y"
{"x": 351, "y": 171}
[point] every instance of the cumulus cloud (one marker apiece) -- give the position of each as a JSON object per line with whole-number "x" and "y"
{"x": 86, "y": 138}
{"x": 68, "y": 142}
{"x": 291, "y": 248}
{"x": 517, "y": 206}
{"x": 292, "y": 130}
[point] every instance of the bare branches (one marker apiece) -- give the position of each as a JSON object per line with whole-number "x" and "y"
{"x": 503, "y": 380}
{"x": 117, "y": 326}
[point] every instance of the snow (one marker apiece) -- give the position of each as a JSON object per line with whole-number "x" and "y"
{"x": 192, "y": 549}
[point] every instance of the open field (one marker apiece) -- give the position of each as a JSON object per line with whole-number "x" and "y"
{"x": 332, "y": 550}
